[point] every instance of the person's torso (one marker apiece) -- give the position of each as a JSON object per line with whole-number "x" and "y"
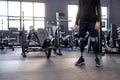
{"x": 87, "y": 10}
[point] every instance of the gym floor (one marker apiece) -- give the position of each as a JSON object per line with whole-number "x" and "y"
{"x": 36, "y": 67}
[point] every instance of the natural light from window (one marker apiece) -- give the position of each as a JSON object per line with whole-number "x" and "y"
{"x": 3, "y": 15}
{"x": 104, "y": 17}
{"x": 39, "y": 14}
{"x": 12, "y": 12}
{"x": 72, "y": 11}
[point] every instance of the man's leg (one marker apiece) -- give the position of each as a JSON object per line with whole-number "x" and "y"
{"x": 83, "y": 41}
{"x": 95, "y": 49}
{"x": 82, "y": 45}
{"x": 94, "y": 34}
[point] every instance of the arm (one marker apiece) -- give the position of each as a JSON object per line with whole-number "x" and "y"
{"x": 75, "y": 28}
{"x": 98, "y": 12}
{"x": 78, "y": 15}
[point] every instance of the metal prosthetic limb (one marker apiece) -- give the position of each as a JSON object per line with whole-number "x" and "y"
{"x": 94, "y": 45}
{"x": 95, "y": 49}
{"x": 82, "y": 45}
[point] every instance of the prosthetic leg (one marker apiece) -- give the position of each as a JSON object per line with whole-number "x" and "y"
{"x": 83, "y": 43}
{"x": 95, "y": 49}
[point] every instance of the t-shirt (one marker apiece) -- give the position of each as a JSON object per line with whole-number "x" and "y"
{"x": 88, "y": 10}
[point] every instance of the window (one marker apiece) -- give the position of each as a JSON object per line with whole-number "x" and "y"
{"x": 14, "y": 14}
{"x": 39, "y": 9}
{"x": 14, "y": 8}
{"x": 104, "y": 14}
{"x": 27, "y": 8}
{"x": 3, "y": 15}
{"x": 3, "y": 23}
{"x": 11, "y": 13}
{"x": 3, "y": 8}
{"x": 34, "y": 14}
{"x": 72, "y": 11}
{"x": 27, "y": 13}
{"x": 39, "y": 14}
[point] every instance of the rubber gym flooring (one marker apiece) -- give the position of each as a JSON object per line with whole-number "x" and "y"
{"x": 36, "y": 67}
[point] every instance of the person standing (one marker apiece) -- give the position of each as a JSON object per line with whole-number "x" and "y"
{"x": 88, "y": 19}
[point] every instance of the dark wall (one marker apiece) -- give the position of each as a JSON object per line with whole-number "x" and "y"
{"x": 115, "y": 12}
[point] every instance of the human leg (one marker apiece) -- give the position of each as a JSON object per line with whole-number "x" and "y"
{"x": 95, "y": 49}
{"x": 82, "y": 45}
{"x": 94, "y": 34}
{"x": 83, "y": 42}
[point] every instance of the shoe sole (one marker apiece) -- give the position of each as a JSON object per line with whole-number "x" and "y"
{"x": 98, "y": 65}
{"x": 83, "y": 63}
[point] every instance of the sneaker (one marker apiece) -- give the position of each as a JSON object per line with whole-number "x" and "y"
{"x": 97, "y": 62}
{"x": 80, "y": 61}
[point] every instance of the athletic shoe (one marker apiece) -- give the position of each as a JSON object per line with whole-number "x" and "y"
{"x": 80, "y": 61}
{"x": 97, "y": 62}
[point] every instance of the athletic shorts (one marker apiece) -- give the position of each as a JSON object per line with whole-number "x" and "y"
{"x": 87, "y": 27}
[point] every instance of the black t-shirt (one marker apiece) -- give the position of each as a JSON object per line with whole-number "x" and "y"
{"x": 88, "y": 10}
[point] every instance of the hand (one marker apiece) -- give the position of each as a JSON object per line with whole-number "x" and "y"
{"x": 97, "y": 26}
{"x": 76, "y": 28}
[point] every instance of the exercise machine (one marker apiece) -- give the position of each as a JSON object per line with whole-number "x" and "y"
{"x": 5, "y": 39}
{"x": 40, "y": 42}
{"x": 112, "y": 41}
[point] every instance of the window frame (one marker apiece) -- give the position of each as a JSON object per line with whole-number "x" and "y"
{"x": 19, "y": 18}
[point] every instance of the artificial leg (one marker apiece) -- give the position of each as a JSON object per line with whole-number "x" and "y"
{"x": 95, "y": 49}
{"x": 82, "y": 45}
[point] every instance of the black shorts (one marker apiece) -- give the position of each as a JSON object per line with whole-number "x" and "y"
{"x": 87, "y": 26}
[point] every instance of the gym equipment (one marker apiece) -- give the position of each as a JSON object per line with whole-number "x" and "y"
{"x": 52, "y": 31}
{"x": 5, "y": 39}
{"x": 72, "y": 40}
{"x": 43, "y": 44}
{"x": 112, "y": 41}
{"x": 2, "y": 43}
{"x": 57, "y": 34}
{"x": 105, "y": 41}
{"x": 58, "y": 37}
{"x": 60, "y": 41}
{"x": 66, "y": 41}
{"x": 39, "y": 36}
